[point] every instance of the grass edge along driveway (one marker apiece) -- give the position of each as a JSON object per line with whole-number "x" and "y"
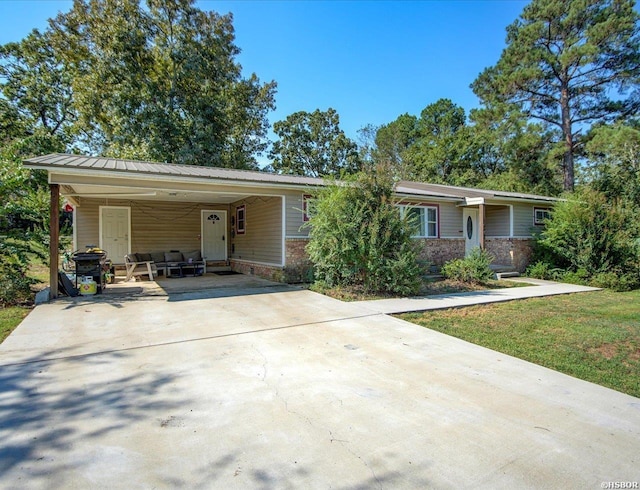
{"x": 593, "y": 336}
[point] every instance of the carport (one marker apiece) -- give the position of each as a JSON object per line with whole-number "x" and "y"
{"x": 234, "y": 218}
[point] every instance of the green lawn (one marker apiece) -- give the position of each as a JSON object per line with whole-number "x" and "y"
{"x": 10, "y": 318}
{"x": 593, "y": 336}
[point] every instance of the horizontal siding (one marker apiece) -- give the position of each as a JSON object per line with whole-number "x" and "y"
{"x": 294, "y": 216}
{"x": 450, "y": 220}
{"x": 522, "y": 219}
{"x": 450, "y": 216}
{"x": 496, "y": 221}
{"x": 156, "y": 226}
{"x": 86, "y": 225}
{"x": 262, "y": 240}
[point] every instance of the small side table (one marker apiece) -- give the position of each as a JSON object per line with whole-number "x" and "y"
{"x": 175, "y": 266}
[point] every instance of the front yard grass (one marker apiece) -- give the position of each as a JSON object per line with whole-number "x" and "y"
{"x": 593, "y": 336}
{"x": 10, "y": 318}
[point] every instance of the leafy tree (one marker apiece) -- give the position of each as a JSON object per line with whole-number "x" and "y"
{"x": 160, "y": 82}
{"x": 592, "y": 235}
{"x": 313, "y": 144}
{"x": 442, "y": 154}
{"x": 434, "y": 147}
{"x": 37, "y": 117}
{"x": 36, "y": 89}
{"x": 568, "y": 63}
{"x": 513, "y": 154}
{"x": 614, "y": 153}
{"x": 358, "y": 237}
{"x": 393, "y": 141}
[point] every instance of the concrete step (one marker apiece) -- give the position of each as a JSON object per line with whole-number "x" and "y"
{"x": 504, "y": 275}
{"x": 218, "y": 268}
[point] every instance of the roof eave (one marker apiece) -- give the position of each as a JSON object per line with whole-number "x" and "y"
{"x": 132, "y": 175}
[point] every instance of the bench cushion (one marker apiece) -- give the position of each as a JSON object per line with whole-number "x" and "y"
{"x": 194, "y": 256}
{"x": 173, "y": 257}
{"x": 157, "y": 256}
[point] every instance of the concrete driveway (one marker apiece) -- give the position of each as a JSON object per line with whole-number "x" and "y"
{"x": 284, "y": 388}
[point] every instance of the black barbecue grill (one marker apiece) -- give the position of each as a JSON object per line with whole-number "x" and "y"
{"x": 92, "y": 264}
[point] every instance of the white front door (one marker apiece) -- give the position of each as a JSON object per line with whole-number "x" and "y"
{"x": 214, "y": 235}
{"x": 470, "y": 229}
{"x": 114, "y": 232}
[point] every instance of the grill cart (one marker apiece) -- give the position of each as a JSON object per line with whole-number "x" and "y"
{"x": 92, "y": 263}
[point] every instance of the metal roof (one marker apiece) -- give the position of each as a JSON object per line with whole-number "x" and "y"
{"x": 438, "y": 190}
{"x": 63, "y": 161}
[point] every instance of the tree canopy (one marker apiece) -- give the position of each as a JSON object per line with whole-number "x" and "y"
{"x": 312, "y": 143}
{"x": 156, "y": 80}
{"x": 568, "y": 64}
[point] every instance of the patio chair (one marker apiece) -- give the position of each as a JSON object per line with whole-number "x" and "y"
{"x": 136, "y": 268}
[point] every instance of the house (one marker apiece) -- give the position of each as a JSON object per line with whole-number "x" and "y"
{"x": 252, "y": 221}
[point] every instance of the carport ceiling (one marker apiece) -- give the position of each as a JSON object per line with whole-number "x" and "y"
{"x": 139, "y": 194}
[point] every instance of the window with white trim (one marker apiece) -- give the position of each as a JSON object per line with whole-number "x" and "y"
{"x": 424, "y": 220}
{"x": 240, "y": 219}
{"x": 540, "y": 215}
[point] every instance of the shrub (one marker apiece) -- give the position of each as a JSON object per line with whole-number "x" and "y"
{"x": 15, "y": 285}
{"x": 615, "y": 281}
{"x": 580, "y": 277}
{"x": 543, "y": 270}
{"x": 358, "y": 237}
{"x": 588, "y": 233}
{"x": 472, "y": 269}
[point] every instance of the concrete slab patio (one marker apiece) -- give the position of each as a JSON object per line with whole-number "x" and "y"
{"x": 285, "y": 388}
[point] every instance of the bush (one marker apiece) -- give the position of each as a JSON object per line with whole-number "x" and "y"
{"x": 590, "y": 233}
{"x": 615, "y": 281}
{"x": 580, "y": 277}
{"x": 590, "y": 240}
{"x": 15, "y": 285}
{"x": 540, "y": 270}
{"x": 358, "y": 237}
{"x": 472, "y": 269}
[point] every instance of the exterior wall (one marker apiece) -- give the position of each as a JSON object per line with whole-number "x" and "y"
{"x": 299, "y": 267}
{"x": 155, "y": 225}
{"x": 450, "y": 217}
{"x": 496, "y": 221}
{"x": 437, "y": 251}
{"x": 295, "y": 216}
{"x": 523, "y": 219}
{"x": 450, "y": 220}
{"x": 515, "y": 252}
{"x": 262, "y": 240}
{"x": 270, "y": 272}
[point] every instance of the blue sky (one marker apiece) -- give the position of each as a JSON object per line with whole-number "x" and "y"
{"x": 369, "y": 60}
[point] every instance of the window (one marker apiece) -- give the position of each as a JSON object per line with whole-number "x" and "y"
{"x": 424, "y": 219}
{"x": 240, "y": 220}
{"x": 540, "y": 215}
{"x": 308, "y": 207}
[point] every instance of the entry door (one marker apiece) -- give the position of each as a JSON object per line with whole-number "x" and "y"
{"x": 114, "y": 237}
{"x": 470, "y": 229}
{"x": 214, "y": 235}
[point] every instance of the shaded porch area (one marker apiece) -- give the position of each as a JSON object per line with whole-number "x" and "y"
{"x": 209, "y": 285}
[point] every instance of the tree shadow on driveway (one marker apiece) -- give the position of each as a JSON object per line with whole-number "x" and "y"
{"x": 48, "y": 407}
